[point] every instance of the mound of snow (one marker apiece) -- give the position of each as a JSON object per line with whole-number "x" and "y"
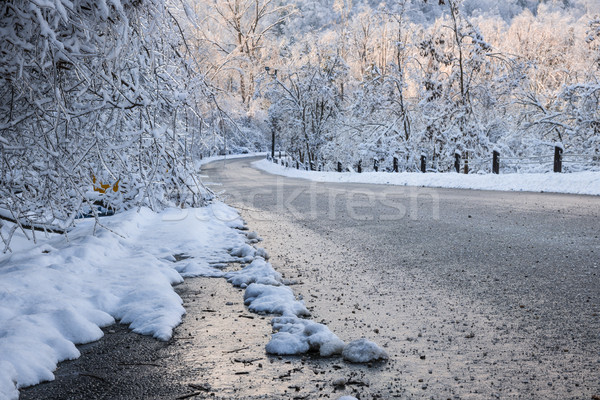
{"x": 260, "y": 252}
{"x": 245, "y": 253}
{"x": 258, "y": 271}
{"x": 298, "y": 336}
{"x": 273, "y": 300}
{"x": 253, "y": 237}
{"x": 362, "y": 351}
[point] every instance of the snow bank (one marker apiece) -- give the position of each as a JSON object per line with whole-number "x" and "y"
{"x": 363, "y": 351}
{"x": 58, "y": 293}
{"x": 207, "y": 160}
{"x": 575, "y": 183}
{"x": 297, "y": 336}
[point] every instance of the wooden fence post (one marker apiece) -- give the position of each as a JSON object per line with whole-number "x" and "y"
{"x": 339, "y": 167}
{"x": 359, "y": 167}
{"x": 375, "y": 165}
{"x": 457, "y": 161}
{"x": 496, "y": 162}
{"x": 423, "y": 163}
{"x": 558, "y": 159}
{"x": 395, "y": 164}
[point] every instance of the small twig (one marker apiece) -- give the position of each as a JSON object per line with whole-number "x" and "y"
{"x": 187, "y": 396}
{"x": 94, "y": 376}
{"x": 136, "y": 364}
{"x": 236, "y": 350}
{"x": 357, "y": 383}
{"x": 204, "y": 387}
{"x": 250, "y": 361}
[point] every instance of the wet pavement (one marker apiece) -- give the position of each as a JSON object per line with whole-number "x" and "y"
{"x": 473, "y": 294}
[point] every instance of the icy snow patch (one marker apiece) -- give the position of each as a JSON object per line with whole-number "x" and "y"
{"x": 245, "y": 253}
{"x": 197, "y": 267}
{"x": 260, "y": 252}
{"x": 253, "y": 237}
{"x": 273, "y": 300}
{"x": 363, "y": 351}
{"x": 297, "y": 336}
{"x": 224, "y": 214}
{"x": 259, "y": 271}
{"x": 8, "y": 377}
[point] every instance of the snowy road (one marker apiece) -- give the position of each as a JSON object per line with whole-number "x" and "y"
{"x": 482, "y": 292}
{"x": 473, "y": 294}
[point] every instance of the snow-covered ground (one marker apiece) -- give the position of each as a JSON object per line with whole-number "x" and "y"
{"x": 575, "y": 183}
{"x": 59, "y": 291}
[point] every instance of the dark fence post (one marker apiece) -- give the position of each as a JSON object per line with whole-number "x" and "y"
{"x": 375, "y": 165}
{"x": 457, "y": 162}
{"x": 359, "y": 167}
{"x": 297, "y": 165}
{"x": 496, "y": 162}
{"x": 423, "y": 163}
{"x": 339, "y": 167}
{"x": 558, "y": 159}
{"x": 395, "y": 164}
{"x": 312, "y": 166}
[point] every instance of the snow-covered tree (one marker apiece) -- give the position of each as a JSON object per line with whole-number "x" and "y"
{"x": 95, "y": 108}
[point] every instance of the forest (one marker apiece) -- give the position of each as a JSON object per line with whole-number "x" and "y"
{"x": 113, "y": 102}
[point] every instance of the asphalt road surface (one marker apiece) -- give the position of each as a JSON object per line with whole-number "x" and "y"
{"x": 474, "y": 295}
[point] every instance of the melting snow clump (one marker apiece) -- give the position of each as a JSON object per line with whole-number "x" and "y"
{"x": 362, "y": 351}
{"x": 273, "y": 300}
{"x": 244, "y": 252}
{"x": 297, "y": 336}
{"x": 258, "y": 271}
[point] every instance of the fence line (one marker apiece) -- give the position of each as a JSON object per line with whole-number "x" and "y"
{"x": 495, "y": 162}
